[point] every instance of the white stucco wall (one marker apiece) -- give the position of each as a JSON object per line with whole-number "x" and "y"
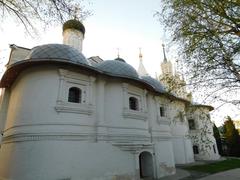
{"x": 73, "y": 160}
{"x": 120, "y": 119}
{"x": 165, "y": 158}
{"x": 4, "y": 100}
{"x": 202, "y": 136}
{"x": 182, "y": 145}
{"x": 33, "y": 101}
{"x": 101, "y": 138}
{"x": 183, "y": 152}
{"x": 47, "y": 144}
{"x": 159, "y": 126}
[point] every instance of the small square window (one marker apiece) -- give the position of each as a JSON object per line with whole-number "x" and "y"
{"x": 162, "y": 111}
{"x": 195, "y": 149}
{"x": 74, "y": 95}
{"x": 133, "y": 103}
{"x": 191, "y": 124}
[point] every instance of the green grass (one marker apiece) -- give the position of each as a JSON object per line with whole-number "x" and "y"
{"x": 216, "y": 167}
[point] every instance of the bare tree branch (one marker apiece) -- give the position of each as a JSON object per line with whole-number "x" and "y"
{"x": 46, "y": 11}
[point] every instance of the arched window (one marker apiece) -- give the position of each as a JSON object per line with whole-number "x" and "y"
{"x": 195, "y": 149}
{"x": 74, "y": 95}
{"x": 133, "y": 103}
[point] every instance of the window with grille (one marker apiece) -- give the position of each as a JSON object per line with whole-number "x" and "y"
{"x": 195, "y": 149}
{"x": 74, "y": 95}
{"x": 162, "y": 111}
{"x": 191, "y": 124}
{"x": 133, "y": 103}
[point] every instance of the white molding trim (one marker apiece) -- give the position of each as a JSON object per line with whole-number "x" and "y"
{"x": 135, "y": 114}
{"x": 133, "y": 147}
{"x": 68, "y": 136}
{"x": 163, "y": 121}
{"x": 85, "y": 83}
{"x": 80, "y": 109}
{"x": 22, "y": 137}
{"x": 71, "y": 124}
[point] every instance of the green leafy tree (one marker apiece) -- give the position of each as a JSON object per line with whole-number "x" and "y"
{"x": 208, "y": 35}
{"x": 28, "y": 12}
{"x": 172, "y": 83}
{"x": 232, "y": 137}
{"x": 217, "y": 136}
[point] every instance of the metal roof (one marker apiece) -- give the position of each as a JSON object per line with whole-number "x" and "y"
{"x": 154, "y": 83}
{"x": 57, "y": 51}
{"x": 117, "y": 68}
{"x": 64, "y": 54}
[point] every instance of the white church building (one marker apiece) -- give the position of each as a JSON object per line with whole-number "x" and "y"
{"x": 66, "y": 117}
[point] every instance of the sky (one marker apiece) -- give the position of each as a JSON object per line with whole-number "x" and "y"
{"x": 126, "y": 24}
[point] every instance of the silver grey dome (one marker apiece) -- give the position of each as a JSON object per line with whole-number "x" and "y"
{"x": 57, "y": 52}
{"x": 154, "y": 83}
{"x": 117, "y": 68}
{"x": 120, "y": 59}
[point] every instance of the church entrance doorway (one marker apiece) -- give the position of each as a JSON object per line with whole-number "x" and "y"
{"x": 146, "y": 165}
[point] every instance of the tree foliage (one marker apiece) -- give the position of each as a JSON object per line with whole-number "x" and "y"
{"x": 47, "y": 11}
{"x": 208, "y": 32}
{"x": 203, "y": 137}
{"x": 172, "y": 83}
{"x": 232, "y": 137}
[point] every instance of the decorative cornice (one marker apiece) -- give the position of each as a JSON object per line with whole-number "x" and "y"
{"x": 163, "y": 121}
{"x": 133, "y": 147}
{"x": 78, "y": 108}
{"x": 21, "y": 137}
{"x": 63, "y": 136}
{"x": 163, "y": 138}
{"x": 134, "y": 114}
{"x": 72, "y": 124}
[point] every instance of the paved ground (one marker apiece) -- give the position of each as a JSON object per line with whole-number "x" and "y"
{"x": 180, "y": 174}
{"x": 184, "y": 175}
{"x": 233, "y": 174}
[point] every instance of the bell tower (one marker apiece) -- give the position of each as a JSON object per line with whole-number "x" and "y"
{"x": 166, "y": 65}
{"x": 141, "y": 69}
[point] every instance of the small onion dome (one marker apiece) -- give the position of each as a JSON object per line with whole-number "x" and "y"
{"x": 120, "y": 59}
{"x": 57, "y": 52}
{"x": 74, "y": 24}
{"x": 154, "y": 83}
{"x": 117, "y": 68}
